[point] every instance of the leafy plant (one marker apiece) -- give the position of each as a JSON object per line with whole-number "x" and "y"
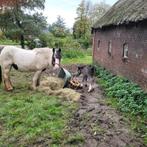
{"x": 131, "y": 99}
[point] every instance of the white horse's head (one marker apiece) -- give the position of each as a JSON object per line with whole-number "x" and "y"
{"x": 56, "y": 58}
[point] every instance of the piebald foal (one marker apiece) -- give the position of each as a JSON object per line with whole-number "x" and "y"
{"x": 36, "y": 60}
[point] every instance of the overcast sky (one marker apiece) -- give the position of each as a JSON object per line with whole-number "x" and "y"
{"x": 66, "y": 9}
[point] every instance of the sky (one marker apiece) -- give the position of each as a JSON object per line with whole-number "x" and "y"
{"x": 66, "y": 9}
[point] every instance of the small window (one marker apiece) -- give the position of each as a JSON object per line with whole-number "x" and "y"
{"x": 125, "y": 51}
{"x": 110, "y": 48}
{"x": 98, "y": 45}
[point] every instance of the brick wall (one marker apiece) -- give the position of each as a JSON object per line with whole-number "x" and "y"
{"x": 135, "y": 36}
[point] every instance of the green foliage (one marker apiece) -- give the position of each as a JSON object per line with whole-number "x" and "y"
{"x": 82, "y": 27}
{"x": 130, "y": 98}
{"x": 97, "y": 11}
{"x": 8, "y": 42}
{"x": 58, "y": 28}
{"x": 87, "y": 15}
{"x": 74, "y": 56}
{"x": 67, "y": 42}
{"x": 84, "y": 60}
{"x": 25, "y": 25}
{"x": 73, "y": 53}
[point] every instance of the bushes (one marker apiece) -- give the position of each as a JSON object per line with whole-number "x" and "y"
{"x": 63, "y": 42}
{"x": 131, "y": 98}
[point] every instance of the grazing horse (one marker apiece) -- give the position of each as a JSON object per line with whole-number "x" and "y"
{"x": 36, "y": 60}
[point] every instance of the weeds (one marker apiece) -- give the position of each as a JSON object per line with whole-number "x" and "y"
{"x": 129, "y": 97}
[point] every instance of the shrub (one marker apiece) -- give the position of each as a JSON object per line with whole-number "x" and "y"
{"x": 131, "y": 98}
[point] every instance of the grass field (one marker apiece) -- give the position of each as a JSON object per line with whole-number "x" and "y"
{"x": 26, "y": 116}
{"x": 84, "y": 60}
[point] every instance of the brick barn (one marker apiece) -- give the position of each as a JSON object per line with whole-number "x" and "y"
{"x": 120, "y": 40}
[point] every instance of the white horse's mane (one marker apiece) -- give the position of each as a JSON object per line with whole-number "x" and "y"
{"x": 42, "y": 50}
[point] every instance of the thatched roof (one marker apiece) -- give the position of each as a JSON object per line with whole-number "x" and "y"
{"x": 124, "y": 12}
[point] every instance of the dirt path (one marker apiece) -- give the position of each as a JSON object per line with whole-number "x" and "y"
{"x": 100, "y": 124}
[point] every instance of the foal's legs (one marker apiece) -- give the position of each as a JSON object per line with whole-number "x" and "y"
{"x": 36, "y": 79}
{"x": 91, "y": 84}
{"x": 6, "y": 76}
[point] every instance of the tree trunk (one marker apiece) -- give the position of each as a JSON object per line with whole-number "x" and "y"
{"x": 22, "y": 41}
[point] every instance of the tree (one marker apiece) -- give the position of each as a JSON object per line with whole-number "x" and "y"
{"x": 58, "y": 28}
{"x": 29, "y": 4}
{"x": 81, "y": 28}
{"x": 16, "y": 22}
{"x": 97, "y": 11}
{"x": 87, "y": 15}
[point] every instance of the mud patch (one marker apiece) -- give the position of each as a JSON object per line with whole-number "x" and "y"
{"x": 99, "y": 124}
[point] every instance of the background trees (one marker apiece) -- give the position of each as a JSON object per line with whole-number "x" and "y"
{"x": 82, "y": 27}
{"x": 87, "y": 15}
{"x": 20, "y": 20}
{"x": 97, "y": 11}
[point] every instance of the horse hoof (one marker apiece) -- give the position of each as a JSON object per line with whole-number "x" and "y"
{"x": 9, "y": 89}
{"x": 34, "y": 88}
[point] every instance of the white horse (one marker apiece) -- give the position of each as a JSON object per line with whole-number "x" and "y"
{"x": 36, "y": 60}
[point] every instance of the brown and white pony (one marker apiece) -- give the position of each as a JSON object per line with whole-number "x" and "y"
{"x": 36, "y": 60}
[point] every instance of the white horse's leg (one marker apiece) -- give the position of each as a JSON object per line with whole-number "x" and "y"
{"x": 36, "y": 79}
{"x": 7, "y": 82}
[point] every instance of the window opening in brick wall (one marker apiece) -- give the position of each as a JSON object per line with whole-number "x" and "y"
{"x": 98, "y": 45}
{"x": 125, "y": 51}
{"x": 110, "y": 48}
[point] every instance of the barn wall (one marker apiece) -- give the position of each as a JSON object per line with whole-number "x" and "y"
{"x": 135, "y": 67}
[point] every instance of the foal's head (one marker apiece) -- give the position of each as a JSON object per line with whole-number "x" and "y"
{"x": 56, "y": 58}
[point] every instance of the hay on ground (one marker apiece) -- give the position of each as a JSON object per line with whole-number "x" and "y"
{"x": 54, "y": 86}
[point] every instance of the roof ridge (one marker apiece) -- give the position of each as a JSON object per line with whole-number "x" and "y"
{"x": 122, "y": 12}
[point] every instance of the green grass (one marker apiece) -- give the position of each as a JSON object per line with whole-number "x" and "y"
{"x": 83, "y": 60}
{"x": 77, "y": 56}
{"x": 27, "y": 116}
{"x": 8, "y": 42}
{"x": 73, "y": 53}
